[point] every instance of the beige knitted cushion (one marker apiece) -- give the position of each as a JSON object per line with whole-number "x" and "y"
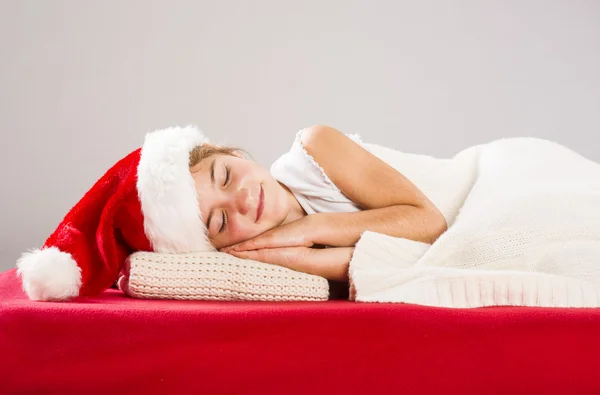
{"x": 216, "y": 276}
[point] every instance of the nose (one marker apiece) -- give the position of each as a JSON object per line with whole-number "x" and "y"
{"x": 242, "y": 201}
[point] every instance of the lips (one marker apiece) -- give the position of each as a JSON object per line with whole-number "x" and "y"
{"x": 261, "y": 204}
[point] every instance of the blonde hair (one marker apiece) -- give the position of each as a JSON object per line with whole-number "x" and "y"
{"x": 200, "y": 152}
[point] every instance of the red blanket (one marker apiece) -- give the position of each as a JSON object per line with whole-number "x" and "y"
{"x": 112, "y": 344}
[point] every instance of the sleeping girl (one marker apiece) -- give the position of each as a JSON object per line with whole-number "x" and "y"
{"x": 326, "y": 191}
{"x": 180, "y": 193}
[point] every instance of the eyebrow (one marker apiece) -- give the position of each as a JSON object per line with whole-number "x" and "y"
{"x": 212, "y": 180}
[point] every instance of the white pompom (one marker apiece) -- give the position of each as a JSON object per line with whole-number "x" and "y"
{"x": 49, "y": 274}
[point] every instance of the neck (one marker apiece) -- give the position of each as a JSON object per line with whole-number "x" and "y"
{"x": 296, "y": 211}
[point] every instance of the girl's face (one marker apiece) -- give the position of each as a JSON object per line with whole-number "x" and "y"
{"x": 238, "y": 199}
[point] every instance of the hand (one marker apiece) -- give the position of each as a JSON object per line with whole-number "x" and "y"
{"x": 297, "y": 233}
{"x": 330, "y": 263}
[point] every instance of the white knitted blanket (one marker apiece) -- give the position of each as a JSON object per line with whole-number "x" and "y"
{"x": 527, "y": 234}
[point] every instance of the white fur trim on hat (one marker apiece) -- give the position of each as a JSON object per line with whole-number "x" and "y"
{"x": 167, "y": 192}
{"x": 49, "y": 274}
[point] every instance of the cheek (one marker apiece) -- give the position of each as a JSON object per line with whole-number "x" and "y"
{"x": 245, "y": 173}
{"x": 241, "y": 230}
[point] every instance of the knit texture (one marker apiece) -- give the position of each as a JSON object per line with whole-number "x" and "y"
{"x": 528, "y": 234}
{"x": 216, "y": 276}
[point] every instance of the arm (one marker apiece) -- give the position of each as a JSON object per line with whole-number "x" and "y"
{"x": 330, "y": 263}
{"x": 345, "y": 229}
{"x": 392, "y": 204}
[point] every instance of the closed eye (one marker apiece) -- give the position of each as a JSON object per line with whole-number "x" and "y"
{"x": 223, "y": 222}
{"x": 227, "y": 175}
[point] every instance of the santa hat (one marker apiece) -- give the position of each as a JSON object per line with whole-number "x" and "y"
{"x": 146, "y": 202}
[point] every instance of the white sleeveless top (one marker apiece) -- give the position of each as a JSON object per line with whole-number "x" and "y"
{"x": 446, "y": 182}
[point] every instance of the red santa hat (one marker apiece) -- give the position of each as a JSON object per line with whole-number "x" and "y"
{"x": 146, "y": 202}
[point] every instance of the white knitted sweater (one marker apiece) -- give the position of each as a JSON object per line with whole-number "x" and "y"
{"x": 527, "y": 233}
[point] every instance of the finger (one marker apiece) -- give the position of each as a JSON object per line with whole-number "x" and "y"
{"x": 285, "y": 256}
{"x": 283, "y": 236}
{"x": 228, "y": 248}
{"x": 255, "y": 255}
{"x": 265, "y": 240}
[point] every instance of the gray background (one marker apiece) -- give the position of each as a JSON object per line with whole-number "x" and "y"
{"x": 81, "y": 82}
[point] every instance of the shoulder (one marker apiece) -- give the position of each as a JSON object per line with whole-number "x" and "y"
{"x": 329, "y": 147}
{"x": 341, "y": 159}
{"x": 337, "y": 155}
{"x": 363, "y": 177}
{"x": 318, "y": 137}
{"x": 318, "y": 133}
{"x": 298, "y": 167}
